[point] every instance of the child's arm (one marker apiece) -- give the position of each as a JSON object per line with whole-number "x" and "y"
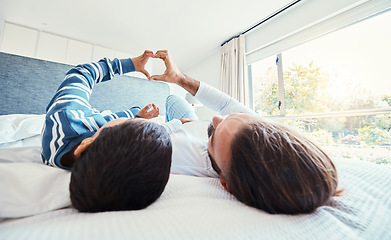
{"x": 76, "y": 89}
{"x": 70, "y": 117}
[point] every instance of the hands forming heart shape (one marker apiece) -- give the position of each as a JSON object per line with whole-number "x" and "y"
{"x": 172, "y": 74}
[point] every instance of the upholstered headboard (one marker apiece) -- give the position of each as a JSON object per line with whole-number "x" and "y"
{"x": 27, "y": 86}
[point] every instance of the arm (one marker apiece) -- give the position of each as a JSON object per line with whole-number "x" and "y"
{"x": 219, "y": 101}
{"x": 207, "y": 95}
{"x": 80, "y": 80}
{"x": 70, "y": 118}
{"x": 174, "y": 75}
{"x": 76, "y": 89}
{"x": 147, "y": 112}
{"x": 174, "y": 124}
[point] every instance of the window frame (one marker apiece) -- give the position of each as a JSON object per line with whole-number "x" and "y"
{"x": 351, "y": 16}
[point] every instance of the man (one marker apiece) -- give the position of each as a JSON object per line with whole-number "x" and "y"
{"x": 262, "y": 163}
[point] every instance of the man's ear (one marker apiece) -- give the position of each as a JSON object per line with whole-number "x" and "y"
{"x": 86, "y": 143}
{"x": 224, "y": 183}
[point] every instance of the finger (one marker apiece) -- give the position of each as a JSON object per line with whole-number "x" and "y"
{"x": 157, "y": 78}
{"x": 146, "y": 108}
{"x": 153, "y": 113}
{"x": 148, "y": 53}
{"x": 162, "y": 54}
{"x": 146, "y": 73}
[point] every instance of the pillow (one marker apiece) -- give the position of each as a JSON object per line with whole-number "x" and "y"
{"x": 16, "y": 127}
{"x": 29, "y": 187}
{"x": 32, "y": 188}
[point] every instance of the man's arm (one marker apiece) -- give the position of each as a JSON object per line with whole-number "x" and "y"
{"x": 207, "y": 95}
{"x": 174, "y": 75}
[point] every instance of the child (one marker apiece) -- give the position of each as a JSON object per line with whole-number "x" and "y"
{"x": 119, "y": 161}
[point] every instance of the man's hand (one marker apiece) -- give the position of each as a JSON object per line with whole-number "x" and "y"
{"x": 147, "y": 113}
{"x": 187, "y": 120}
{"x": 174, "y": 75}
{"x": 140, "y": 61}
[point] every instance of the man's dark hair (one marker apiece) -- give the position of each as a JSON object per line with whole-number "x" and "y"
{"x": 275, "y": 169}
{"x": 126, "y": 168}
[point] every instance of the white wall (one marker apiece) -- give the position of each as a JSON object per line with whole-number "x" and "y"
{"x": 19, "y": 40}
{"x": 2, "y": 22}
{"x": 208, "y": 71}
{"x": 30, "y": 42}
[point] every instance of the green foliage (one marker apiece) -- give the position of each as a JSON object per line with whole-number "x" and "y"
{"x": 387, "y": 99}
{"x": 305, "y": 89}
{"x": 381, "y": 121}
{"x": 374, "y": 136}
{"x": 306, "y": 92}
{"x": 266, "y": 93}
{"x": 321, "y": 136}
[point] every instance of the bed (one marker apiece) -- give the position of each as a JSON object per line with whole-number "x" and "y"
{"x": 35, "y": 200}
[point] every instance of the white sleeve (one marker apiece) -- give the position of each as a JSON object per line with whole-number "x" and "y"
{"x": 172, "y": 125}
{"x": 219, "y": 101}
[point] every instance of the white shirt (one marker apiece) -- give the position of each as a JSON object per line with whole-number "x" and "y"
{"x": 190, "y": 140}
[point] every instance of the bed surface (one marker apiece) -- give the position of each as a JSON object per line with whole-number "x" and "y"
{"x": 189, "y": 208}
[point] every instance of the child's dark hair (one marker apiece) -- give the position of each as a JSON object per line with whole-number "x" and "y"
{"x": 126, "y": 168}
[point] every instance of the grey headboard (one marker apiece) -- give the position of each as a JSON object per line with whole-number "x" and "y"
{"x": 27, "y": 86}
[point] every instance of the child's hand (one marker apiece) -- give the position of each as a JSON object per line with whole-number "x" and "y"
{"x": 140, "y": 61}
{"x": 147, "y": 112}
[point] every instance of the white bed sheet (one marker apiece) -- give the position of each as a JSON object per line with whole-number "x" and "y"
{"x": 34, "y": 204}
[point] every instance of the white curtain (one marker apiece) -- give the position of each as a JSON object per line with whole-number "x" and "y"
{"x": 234, "y": 80}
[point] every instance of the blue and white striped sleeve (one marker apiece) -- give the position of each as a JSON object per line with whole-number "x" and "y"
{"x": 69, "y": 115}
{"x": 129, "y": 113}
{"x": 80, "y": 80}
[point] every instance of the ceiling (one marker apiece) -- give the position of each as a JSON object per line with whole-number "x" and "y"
{"x": 189, "y": 30}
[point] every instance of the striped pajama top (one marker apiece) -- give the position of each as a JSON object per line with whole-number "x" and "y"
{"x": 69, "y": 116}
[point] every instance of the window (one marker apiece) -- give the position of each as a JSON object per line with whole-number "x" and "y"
{"x": 335, "y": 88}
{"x": 265, "y": 86}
